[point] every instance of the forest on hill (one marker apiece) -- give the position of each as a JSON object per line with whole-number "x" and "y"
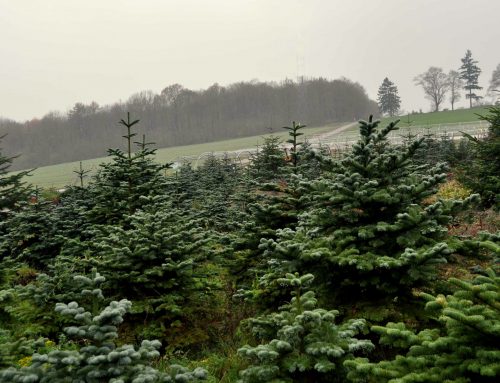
{"x": 179, "y": 116}
{"x": 377, "y": 267}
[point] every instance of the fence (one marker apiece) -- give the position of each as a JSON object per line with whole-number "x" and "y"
{"x": 337, "y": 145}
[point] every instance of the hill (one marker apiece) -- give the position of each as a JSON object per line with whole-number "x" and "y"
{"x": 443, "y": 117}
{"x": 178, "y": 116}
{"x": 63, "y": 174}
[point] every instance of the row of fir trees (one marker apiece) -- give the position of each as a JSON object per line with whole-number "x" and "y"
{"x": 297, "y": 267}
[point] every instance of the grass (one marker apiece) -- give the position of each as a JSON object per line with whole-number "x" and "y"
{"x": 56, "y": 176}
{"x": 433, "y": 121}
{"x": 445, "y": 117}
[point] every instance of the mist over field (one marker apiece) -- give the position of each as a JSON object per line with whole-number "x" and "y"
{"x": 197, "y": 71}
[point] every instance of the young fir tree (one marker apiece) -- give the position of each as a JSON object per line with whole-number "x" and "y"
{"x": 463, "y": 349}
{"x": 12, "y": 187}
{"x": 294, "y": 133}
{"x": 301, "y": 343}
{"x": 158, "y": 261}
{"x": 119, "y": 186}
{"x": 274, "y": 205}
{"x": 30, "y": 234}
{"x": 218, "y": 180}
{"x": 469, "y": 72}
{"x": 94, "y": 355}
{"x": 29, "y": 298}
{"x": 268, "y": 164}
{"x": 482, "y": 174}
{"x": 183, "y": 186}
{"x": 278, "y": 202}
{"x": 368, "y": 228}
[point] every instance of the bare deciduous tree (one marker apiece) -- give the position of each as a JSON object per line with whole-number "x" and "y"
{"x": 456, "y": 84}
{"x": 435, "y": 85}
{"x": 494, "y": 88}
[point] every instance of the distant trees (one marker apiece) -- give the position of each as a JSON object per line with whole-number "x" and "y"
{"x": 179, "y": 116}
{"x": 435, "y": 84}
{"x": 469, "y": 72}
{"x": 388, "y": 98}
{"x": 456, "y": 84}
{"x": 495, "y": 81}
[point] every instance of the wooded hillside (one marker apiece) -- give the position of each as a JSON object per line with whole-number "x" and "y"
{"x": 179, "y": 116}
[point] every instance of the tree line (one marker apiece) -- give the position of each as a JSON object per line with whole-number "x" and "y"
{"x": 437, "y": 84}
{"x": 180, "y": 116}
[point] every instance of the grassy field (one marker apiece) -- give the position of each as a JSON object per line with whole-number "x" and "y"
{"x": 433, "y": 120}
{"x": 446, "y": 117}
{"x": 63, "y": 174}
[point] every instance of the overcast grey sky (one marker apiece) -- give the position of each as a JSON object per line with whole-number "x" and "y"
{"x": 58, "y": 52}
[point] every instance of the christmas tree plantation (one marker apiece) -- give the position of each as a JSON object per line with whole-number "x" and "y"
{"x": 296, "y": 267}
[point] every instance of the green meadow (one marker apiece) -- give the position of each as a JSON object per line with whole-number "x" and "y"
{"x": 56, "y": 176}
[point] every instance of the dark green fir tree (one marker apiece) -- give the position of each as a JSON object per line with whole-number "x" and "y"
{"x": 12, "y": 187}
{"x": 273, "y": 205}
{"x": 463, "y": 347}
{"x": 158, "y": 262}
{"x": 482, "y": 173}
{"x": 369, "y": 229}
{"x": 120, "y": 184}
{"x": 269, "y": 162}
{"x": 388, "y": 98}
{"x": 30, "y": 234}
{"x": 469, "y": 72}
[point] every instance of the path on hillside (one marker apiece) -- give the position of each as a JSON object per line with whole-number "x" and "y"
{"x": 240, "y": 154}
{"x": 314, "y": 139}
{"x": 336, "y": 139}
{"x": 317, "y": 138}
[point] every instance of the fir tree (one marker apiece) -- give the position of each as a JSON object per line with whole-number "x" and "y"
{"x": 30, "y": 233}
{"x": 369, "y": 229}
{"x": 464, "y": 349}
{"x": 482, "y": 174}
{"x": 268, "y": 164}
{"x": 302, "y": 343}
{"x": 12, "y": 187}
{"x": 274, "y": 205}
{"x": 469, "y": 72}
{"x": 294, "y": 133}
{"x": 81, "y": 173}
{"x": 119, "y": 186}
{"x": 94, "y": 356}
{"x": 158, "y": 261}
{"x": 388, "y": 98}
{"x": 217, "y": 181}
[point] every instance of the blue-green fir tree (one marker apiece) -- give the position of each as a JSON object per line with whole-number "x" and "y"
{"x": 301, "y": 342}
{"x": 91, "y": 354}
